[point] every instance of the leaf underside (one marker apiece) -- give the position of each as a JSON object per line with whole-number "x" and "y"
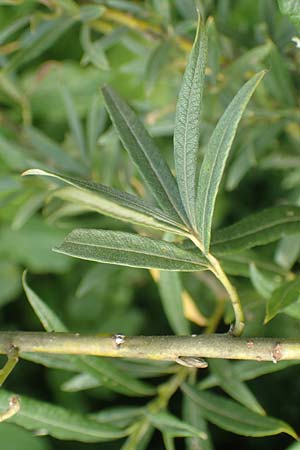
{"x": 128, "y": 249}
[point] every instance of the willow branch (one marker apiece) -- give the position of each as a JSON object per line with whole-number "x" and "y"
{"x": 167, "y": 348}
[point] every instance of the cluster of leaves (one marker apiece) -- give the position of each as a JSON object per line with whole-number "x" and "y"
{"x": 53, "y": 60}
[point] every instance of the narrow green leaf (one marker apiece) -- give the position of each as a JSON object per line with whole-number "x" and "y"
{"x": 192, "y": 414}
{"x": 80, "y": 382}
{"x": 263, "y": 284}
{"x": 170, "y": 289}
{"x": 170, "y": 424}
{"x": 112, "y": 202}
{"x": 168, "y": 441}
{"x": 59, "y": 422}
{"x": 233, "y": 417}
{"x": 74, "y": 123}
{"x": 284, "y": 296}
{"x": 32, "y": 44}
{"x": 239, "y": 264}
{"x": 261, "y": 228}
{"x": 158, "y": 59}
{"x": 145, "y": 154}
{"x": 247, "y": 370}
{"x": 128, "y": 249}
{"x": 52, "y": 152}
{"x": 234, "y": 387}
{"x": 49, "y": 320}
{"x": 140, "y": 437}
{"x": 120, "y": 416}
{"x": 13, "y": 28}
{"x": 187, "y": 122}
{"x": 114, "y": 378}
{"x": 95, "y": 125}
{"x": 216, "y": 155}
{"x": 287, "y": 251}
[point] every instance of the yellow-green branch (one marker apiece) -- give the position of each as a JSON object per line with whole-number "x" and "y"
{"x": 165, "y": 348}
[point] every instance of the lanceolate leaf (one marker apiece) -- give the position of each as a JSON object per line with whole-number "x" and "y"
{"x": 282, "y": 297}
{"x": 116, "y": 247}
{"x": 112, "y": 202}
{"x": 258, "y": 229}
{"x": 145, "y": 154}
{"x": 170, "y": 289}
{"x": 233, "y": 417}
{"x": 49, "y": 320}
{"x": 59, "y": 422}
{"x": 215, "y": 158}
{"x": 187, "y": 122}
{"x": 170, "y": 424}
{"x": 227, "y": 380}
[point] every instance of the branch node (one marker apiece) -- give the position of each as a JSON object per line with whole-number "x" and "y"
{"x": 191, "y": 361}
{"x": 276, "y": 353}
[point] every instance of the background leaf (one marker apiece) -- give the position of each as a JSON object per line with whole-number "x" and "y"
{"x": 235, "y": 418}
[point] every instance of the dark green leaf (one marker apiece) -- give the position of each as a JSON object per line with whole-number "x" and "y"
{"x": 170, "y": 289}
{"x": 233, "y": 417}
{"x": 215, "y": 158}
{"x": 145, "y": 154}
{"x": 173, "y": 426}
{"x": 192, "y": 414}
{"x": 234, "y": 387}
{"x": 187, "y": 122}
{"x": 284, "y": 296}
{"x": 258, "y": 229}
{"x": 36, "y": 42}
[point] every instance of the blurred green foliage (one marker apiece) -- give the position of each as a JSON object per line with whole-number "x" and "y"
{"x": 54, "y": 57}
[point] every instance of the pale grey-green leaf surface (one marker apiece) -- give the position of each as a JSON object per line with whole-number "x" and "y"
{"x": 215, "y": 158}
{"x": 170, "y": 289}
{"x": 235, "y": 388}
{"x": 187, "y": 122}
{"x": 114, "y": 203}
{"x": 282, "y": 297}
{"x": 116, "y": 247}
{"x": 101, "y": 369}
{"x": 261, "y": 228}
{"x": 233, "y": 417}
{"x": 145, "y": 154}
{"x": 287, "y": 251}
{"x": 59, "y": 422}
{"x": 263, "y": 284}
